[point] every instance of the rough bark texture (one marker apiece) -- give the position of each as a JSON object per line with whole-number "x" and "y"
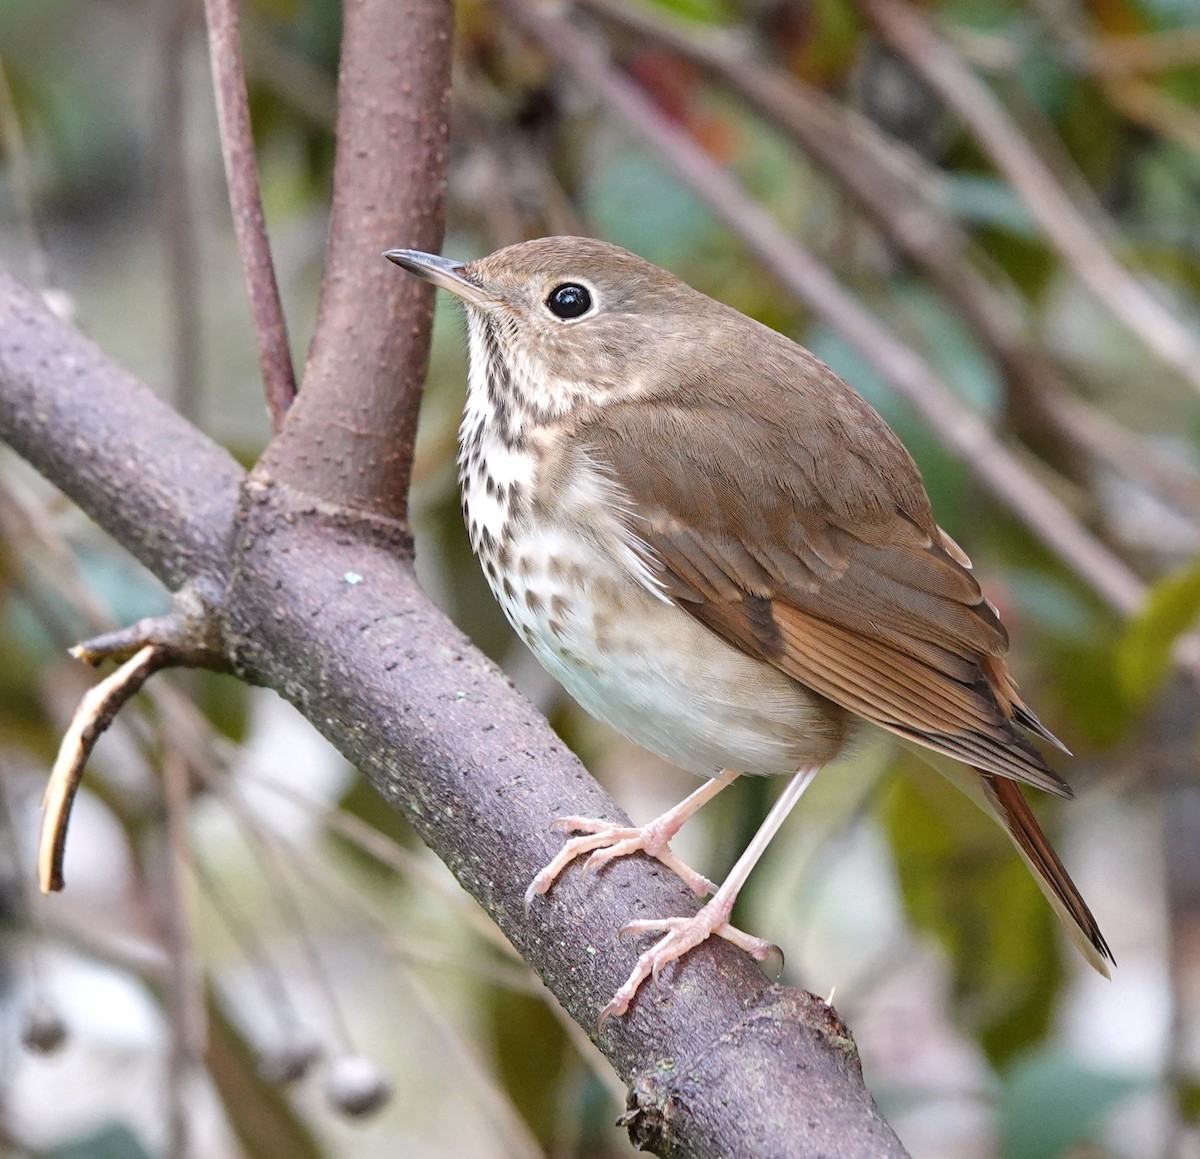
{"x": 324, "y": 608}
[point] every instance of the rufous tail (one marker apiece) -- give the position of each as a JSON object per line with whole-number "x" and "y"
{"x": 1008, "y": 803}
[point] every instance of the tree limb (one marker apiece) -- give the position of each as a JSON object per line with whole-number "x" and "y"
{"x": 350, "y": 436}
{"x": 718, "y": 1061}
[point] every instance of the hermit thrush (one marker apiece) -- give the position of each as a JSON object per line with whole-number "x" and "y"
{"x": 723, "y": 551}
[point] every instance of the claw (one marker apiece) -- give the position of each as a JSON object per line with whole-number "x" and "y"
{"x": 773, "y": 963}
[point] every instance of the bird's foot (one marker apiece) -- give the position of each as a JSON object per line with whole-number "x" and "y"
{"x": 682, "y": 935}
{"x": 605, "y": 841}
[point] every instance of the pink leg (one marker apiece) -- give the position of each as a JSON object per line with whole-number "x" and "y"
{"x": 684, "y": 934}
{"x": 605, "y": 841}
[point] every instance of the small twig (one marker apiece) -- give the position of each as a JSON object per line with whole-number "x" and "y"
{"x": 189, "y": 638}
{"x": 1119, "y": 67}
{"x": 175, "y": 198}
{"x": 97, "y": 710}
{"x": 346, "y": 898}
{"x": 10, "y": 830}
{"x": 266, "y": 847}
{"x": 340, "y": 895}
{"x": 1127, "y": 453}
{"x": 297, "y": 81}
{"x": 1147, "y": 105}
{"x": 958, "y": 428}
{"x": 464, "y": 1063}
{"x": 273, "y": 983}
{"x": 241, "y": 174}
{"x": 383, "y": 849}
{"x": 908, "y": 32}
{"x": 185, "y": 1002}
{"x": 1152, "y": 52}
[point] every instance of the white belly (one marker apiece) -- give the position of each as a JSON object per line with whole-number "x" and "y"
{"x": 652, "y": 671}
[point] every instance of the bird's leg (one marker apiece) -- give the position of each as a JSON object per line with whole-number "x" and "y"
{"x": 606, "y": 841}
{"x": 684, "y": 934}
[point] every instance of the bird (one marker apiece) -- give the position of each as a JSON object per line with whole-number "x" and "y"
{"x": 718, "y": 547}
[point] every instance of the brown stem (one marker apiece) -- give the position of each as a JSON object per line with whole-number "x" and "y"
{"x": 958, "y": 428}
{"x": 1153, "y": 52}
{"x": 350, "y": 437}
{"x": 241, "y": 175}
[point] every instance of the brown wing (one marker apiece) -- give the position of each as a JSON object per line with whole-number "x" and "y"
{"x": 794, "y": 524}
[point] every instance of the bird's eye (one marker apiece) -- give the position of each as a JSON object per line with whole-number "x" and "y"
{"x": 569, "y": 301}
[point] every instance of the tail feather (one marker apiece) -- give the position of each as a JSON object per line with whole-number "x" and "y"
{"x": 1008, "y": 802}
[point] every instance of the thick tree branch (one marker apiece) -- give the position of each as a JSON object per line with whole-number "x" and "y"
{"x": 100, "y": 425}
{"x": 349, "y": 438}
{"x": 323, "y": 607}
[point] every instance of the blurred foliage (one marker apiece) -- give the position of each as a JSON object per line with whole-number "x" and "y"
{"x": 1051, "y": 1103}
{"x": 971, "y": 1010}
{"x": 993, "y": 921}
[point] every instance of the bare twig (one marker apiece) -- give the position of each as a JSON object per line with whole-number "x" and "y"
{"x": 293, "y": 78}
{"x": 178, "y": 218}
{"x": 185, "y": 1001}
{"x": 227, "y": 906}
{"x": 266, "y": 848}
{"x": 1147, "y": 105}
{"x": 96, "y": 711}
{"x": 387, "y": 852}
{"x": 1126, "y": 453}
{"x": 1151, "y": 52}
{"x": 241, "y": 174}
{"x": 1120, "y": 65}
{"x": 1064, "y": 226}
{"x": 495, "y": 1099}
{"x": 963, "y": 432}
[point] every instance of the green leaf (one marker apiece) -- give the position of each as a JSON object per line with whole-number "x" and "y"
{"x": 1143, "y": 655}
{"x": 112, "y": 1141}
{"x": 1050, "y": 1103}
{"x": 639, "y": 205}
{"x": 982, "y": 200}
{"x": 701, "y": 11}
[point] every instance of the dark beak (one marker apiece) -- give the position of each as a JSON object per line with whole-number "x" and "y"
{"x": 444, "y": 272}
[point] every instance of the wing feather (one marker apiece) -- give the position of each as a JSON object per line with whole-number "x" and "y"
{"x": 839, "y": 577}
